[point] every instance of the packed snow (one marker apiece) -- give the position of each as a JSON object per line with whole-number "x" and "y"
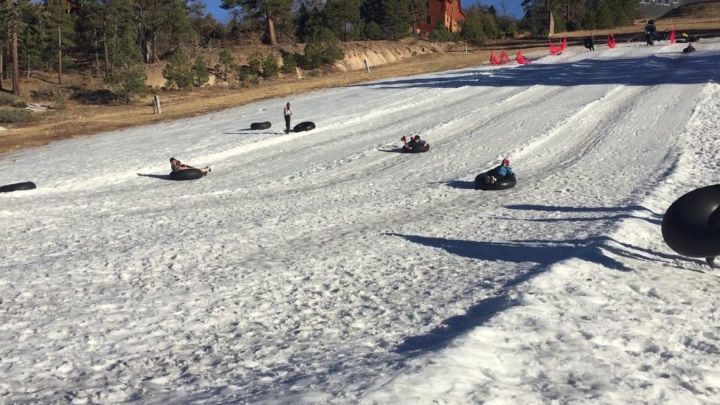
{"x": 328, "y": 267}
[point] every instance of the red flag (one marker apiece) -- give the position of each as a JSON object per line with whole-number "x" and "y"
{"x": 504, "y": 58}
{"x": 555, "y": 50}
{"x": 672, "y": 35}
{"x": 521, "y": 58}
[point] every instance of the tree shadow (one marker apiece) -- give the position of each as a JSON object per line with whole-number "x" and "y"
{"x": 155, "y": 176}
{"x": 622, "y": 213}
{"x": 542, "y": 252}
{"x": 559, "y": 208}
{"x": 640, "y": 71}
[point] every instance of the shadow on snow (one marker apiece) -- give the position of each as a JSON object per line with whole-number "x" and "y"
{"x": 542, "y": 252}
{"x": 670, "y": 68}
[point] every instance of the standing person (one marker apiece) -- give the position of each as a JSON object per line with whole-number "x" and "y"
{"x": 590, "y": 43}
{"x": 287, "y": 112}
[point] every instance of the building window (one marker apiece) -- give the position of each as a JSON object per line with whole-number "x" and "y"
{"x": 429, "y": 20}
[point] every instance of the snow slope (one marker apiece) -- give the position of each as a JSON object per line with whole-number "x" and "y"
{"x": 326, "y": 267}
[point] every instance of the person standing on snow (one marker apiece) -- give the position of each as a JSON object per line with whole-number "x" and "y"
{"x": 499, "y": 172}
{"x": 287, "y": 113}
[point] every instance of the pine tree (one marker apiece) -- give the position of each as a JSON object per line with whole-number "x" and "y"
{"x": 14, "y": 17}
{"x": 60, "y": 26}
{"x": 160, "y": 19}
{"x": 342, "y": 16}
{"x": 271, "y": 11}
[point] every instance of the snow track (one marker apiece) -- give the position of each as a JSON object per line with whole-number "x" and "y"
{"x": 327, "y": 267}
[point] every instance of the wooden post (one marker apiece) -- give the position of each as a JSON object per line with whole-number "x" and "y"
{"x": 156, "y": 105}
{"x": 297, "y": 70}
{"x": 367, "y": 67}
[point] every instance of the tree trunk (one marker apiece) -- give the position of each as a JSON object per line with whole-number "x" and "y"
{"x": 15, "y": 63}
{"x": 60, "y": 63}
{"x": 2, "y": 66}
{"x": 154, "y": 49}
{"x": 106, "y": 51}
{"x": 97, "y": 56}
{"x": 271, "y": 30}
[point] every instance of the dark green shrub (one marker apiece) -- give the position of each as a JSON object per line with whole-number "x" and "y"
{"x": 178, "y": 72}
{"x": 270, "y": 66}
{"x": 101, "y": 97}
{"x": 255, "y": 61}
{"x": 201, "y": 74}
{"x": 128, "y": 81}
{"x": 289, "y": 63}
{"x": 8, "y": 99}
{"x": 322, "y": 48}
{"x": 15, "y": 116}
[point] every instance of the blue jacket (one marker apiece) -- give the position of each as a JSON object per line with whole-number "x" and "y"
{"x": 504, "y": 171}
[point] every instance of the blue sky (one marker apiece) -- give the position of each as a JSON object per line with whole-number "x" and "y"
{"x": 513, "y": 6}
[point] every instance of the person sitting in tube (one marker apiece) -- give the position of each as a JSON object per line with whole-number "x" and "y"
{"x": 499, "y": 172}
{"x": 177, "y": 166}
{"x": 414, "y": 141}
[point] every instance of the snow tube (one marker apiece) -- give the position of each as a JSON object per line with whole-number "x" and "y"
{"x": 691, "y": 226}
{"x": 260, "y": 125}
{"x": 26, "y": 185}
{"x": 416, "y": 148}
{"x": 187, "y": 174}
{"x": 304, "y": 126}
{"x": 502, "y": 184}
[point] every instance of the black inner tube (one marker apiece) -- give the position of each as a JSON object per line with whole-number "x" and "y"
{"x": 691, "y": 226}
{"x": 187, "y": 174}
{"x": 260, "y": 125}
{"x": 26, "y": 185}
{"x": 501, "y": 184}
{"x": 304, "y": 126}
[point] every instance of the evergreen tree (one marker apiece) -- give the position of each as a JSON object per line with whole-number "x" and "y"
{"x": 179, "y": 72}
{"x": 271, "y": 11}
{"x": 60, "y": 26}
{"x": 322, "y": 48}
{"x": 342, "y": 16}
{"x": 12, "y": 26}
{"x": 201, "y": 75}
{"x": 227, "y": 61}
{"x": 162, "y": 19}
{"x": 121, "y": 30}
{"x": 396, "y": 18}
{"x": 472, "y": 29}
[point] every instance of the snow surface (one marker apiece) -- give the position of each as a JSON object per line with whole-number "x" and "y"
{"x": 326, "y": 267}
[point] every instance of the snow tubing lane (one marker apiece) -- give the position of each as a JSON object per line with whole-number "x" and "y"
{"x": 260, "y": 125}
{"x": 26, "y": 185}
{"x": 502, "y": 184}
{"x": 187, "y": 174}
{"x": 691, "y": 226}
{"x": 304, "y": 126}
{"x": 420, "y": 149}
